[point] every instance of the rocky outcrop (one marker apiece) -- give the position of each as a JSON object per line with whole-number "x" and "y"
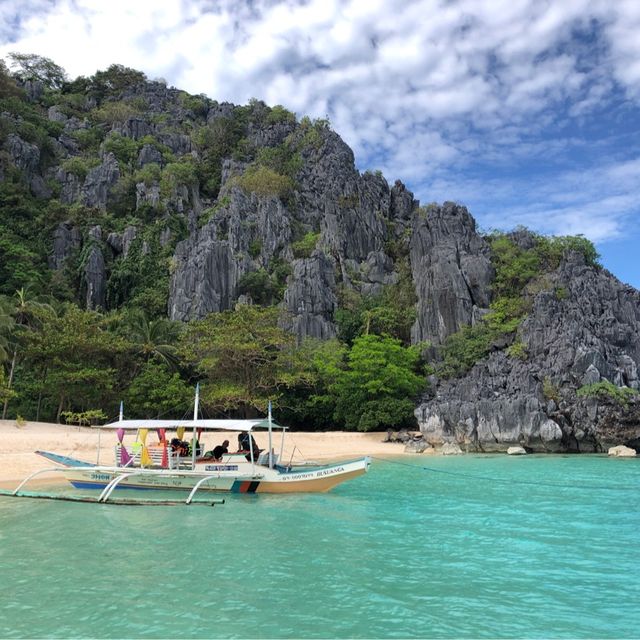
{"x": 327, "y": 233}
{"x": 205, "y": 278}
{"x": 310, "y": 299}
{"x": 67, "y": 240}
{"x": 149, "y": 155}
{"x": 99, "y": 181}
{"x": 579, "y": 330}
{"x": 622, "y": 452}
{"x": 210, "y": 263}
{"x": 121, "y": 242}
{"x": 516, "y": 451}
{"x": 25, "y": 156}
{"x": 451, "y": 269}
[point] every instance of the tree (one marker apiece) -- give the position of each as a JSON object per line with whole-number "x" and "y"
{"x": 25, "y": 309}
{"x": 8, "y": 86}
{"x": 245, "y": 357}
{"x": 115, "y": 79}
{"x": 77, "y": 357}
{"x": 30, "y": 66}
{"x": 378, "y": 387}
{"x": 152, "y": 338}
{"x": 156, "y": 391}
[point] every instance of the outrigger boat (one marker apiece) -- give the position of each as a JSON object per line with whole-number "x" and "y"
{"x": 160, "y": 468}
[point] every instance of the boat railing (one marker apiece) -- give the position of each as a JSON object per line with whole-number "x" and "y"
{"x": 156, "y": 453}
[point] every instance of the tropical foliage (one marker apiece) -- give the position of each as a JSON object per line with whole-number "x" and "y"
{"x": 61, "y": 361}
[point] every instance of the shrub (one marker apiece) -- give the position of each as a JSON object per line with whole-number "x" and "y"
{"x": 198, "y": 104}
{"x": 178, "y": 173}
{"x": 550, "y": 391}
{"x": 553, "y": 250}
{"x": 279, "y": 114}
{"x": 515, "y": 267}
{"x": 265, "y": 182}
{"x": 123, "y": 148}
{"x": 255, "y": 247}
{"x": 88, "y": 139}
{"x": 606, "y": 390}
{"x": 113, "y": 112}
{"x": 280, "y": 159}
{"x": 259, "y": 285}
{"x": 463, "y": 349}
{"x": 518, "y": 350}
{"x": 79, "y": 167}
{"x": 305, "y": 247}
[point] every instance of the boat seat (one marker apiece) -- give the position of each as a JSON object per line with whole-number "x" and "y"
{"x": 155, "y": 453}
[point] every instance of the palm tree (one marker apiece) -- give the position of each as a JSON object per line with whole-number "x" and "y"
{"x": 24, "y": 308}
{"x": 153, "y": 338}
{"x": 6, "y": 328}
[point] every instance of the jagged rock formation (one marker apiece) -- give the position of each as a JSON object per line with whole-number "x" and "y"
{"x": 452, "y": 272}
{"x": 585, "y": 335}
{"x": 167, "y": 173}
{"x": 310, "y": 299}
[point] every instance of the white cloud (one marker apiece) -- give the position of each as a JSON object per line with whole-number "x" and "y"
{"x": 426, "y": 90}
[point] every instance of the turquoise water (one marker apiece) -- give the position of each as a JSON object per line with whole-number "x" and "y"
{"x": 400, "y": 552}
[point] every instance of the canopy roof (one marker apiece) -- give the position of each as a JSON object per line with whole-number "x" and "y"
{"x": 206, "y": 425}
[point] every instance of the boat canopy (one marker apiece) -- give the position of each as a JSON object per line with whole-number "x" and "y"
{"x": 206, "y": 425}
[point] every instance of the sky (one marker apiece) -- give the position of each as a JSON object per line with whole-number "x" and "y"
{"x": 525, "y": 111}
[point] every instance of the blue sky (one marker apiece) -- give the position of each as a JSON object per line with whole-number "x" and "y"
{"x": 526, "y": 111}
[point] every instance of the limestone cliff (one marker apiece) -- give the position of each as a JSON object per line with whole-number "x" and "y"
{"x": 235, "y": 196}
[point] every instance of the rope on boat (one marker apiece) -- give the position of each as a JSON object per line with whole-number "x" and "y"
{"x": 535, "y": 483}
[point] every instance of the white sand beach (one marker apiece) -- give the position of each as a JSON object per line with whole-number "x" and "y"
{"x": 18, "y": 444}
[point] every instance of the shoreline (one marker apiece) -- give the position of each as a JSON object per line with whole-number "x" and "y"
{"x": 19, "y": 443}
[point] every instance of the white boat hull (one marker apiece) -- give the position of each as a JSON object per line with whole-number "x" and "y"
{"x": 235, "y": 478}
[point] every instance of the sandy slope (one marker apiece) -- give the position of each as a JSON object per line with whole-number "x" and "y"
{"x": 17, "y": 446}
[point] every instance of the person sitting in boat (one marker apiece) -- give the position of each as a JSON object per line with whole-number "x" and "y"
{"x": 180, "y": 446}
{"x": 246, "y": 444}
{"x": 220, "y": 450}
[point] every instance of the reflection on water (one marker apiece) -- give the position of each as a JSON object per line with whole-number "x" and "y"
{"x": 400, "y": 552}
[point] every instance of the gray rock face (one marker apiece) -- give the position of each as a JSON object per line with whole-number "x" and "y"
{"x": 403, "y": 204}
{"x": 55, "y": 114}
{"x": 25, "y": 156}
{"x": 573, "y": 339}
{"x": 135, "y": 128}
{"x": 148, "y": 194}
{"x": 350, "y": 211}
{"x": 95, "y": 279}
{"x": 179, "y": 143}
{"x": 71, "y": 186}
{"x": 210, "y": 263}
{"x": 99, "y": 181}
{"x": 149, "y": 155}
{"x": 121, "y": 242}
{"x": 66, "y": 241}
{"x": 451, "y": 269}
{"x": 310, "y": 299}
{"x": 205, "y": 278}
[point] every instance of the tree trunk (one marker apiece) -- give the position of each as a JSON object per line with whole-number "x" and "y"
{"x": 13, "y": 367}
{"x": 60, "y": 408}
{"x": 44, "y": 377}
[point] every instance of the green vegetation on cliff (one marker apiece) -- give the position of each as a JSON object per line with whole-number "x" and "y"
{"x": 519, "y": 274}
{"x": 106, "y": 174}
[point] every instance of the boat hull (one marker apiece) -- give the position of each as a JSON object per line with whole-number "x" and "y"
{"x": 222, "y": 478}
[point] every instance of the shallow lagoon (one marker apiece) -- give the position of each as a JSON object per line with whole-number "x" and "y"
{"x": 468, "y": 547}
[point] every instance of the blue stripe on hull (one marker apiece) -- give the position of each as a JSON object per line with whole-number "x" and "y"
{"x": 102, "y": 485}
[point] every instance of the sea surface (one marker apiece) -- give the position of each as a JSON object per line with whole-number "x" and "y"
{"x": 455, "y": 547}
